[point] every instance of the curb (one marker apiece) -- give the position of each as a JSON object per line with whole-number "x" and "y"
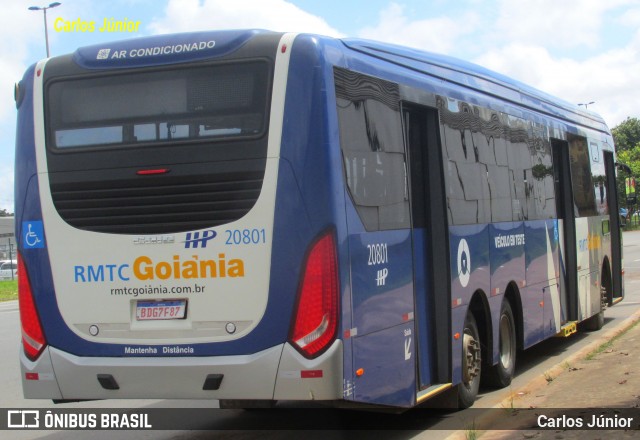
{"x": 552, "y": 373}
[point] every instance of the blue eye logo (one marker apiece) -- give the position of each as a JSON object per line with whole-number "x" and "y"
{"x": 464, "y": 263}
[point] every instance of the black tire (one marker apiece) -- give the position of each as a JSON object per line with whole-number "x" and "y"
{"x": 500, "y": 375}
{"x": 596, "y": 322}
{"x": 471, "y": 363}
{"x": 246, "y": 404}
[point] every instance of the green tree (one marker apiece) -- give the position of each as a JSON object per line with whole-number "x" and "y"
{"x": 631, "y": 158}
{"x": 626, "y": 135}
{"x": 5, "y": 213}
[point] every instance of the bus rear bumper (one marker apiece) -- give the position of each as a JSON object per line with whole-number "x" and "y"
{"x": 38, "y": 378}
{"x": 60, "y": 375}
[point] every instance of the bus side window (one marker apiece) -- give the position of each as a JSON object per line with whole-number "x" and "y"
{"x": 498, "y": 167}
{"x": 581, "y": 178}
{"x": 373, "y": 149}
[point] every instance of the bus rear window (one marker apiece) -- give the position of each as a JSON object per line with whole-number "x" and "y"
{"x": 215, "y": 101}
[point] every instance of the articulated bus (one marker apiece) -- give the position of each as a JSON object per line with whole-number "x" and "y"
{"x": 253, "y": 217}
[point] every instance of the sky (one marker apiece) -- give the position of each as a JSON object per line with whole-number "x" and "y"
{"x": 582, "y": 51}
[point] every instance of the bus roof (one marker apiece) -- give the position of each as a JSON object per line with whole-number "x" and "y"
{"x": 195, "y": 46}
{"x": 475, "y": 77}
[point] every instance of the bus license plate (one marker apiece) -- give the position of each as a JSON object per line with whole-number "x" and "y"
{"x": 161, "y": 310}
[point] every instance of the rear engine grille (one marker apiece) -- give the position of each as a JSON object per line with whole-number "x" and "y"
{"x": 157, "y": 204}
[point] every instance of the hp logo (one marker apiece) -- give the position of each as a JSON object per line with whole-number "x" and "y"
{"x": 198, "y": 239}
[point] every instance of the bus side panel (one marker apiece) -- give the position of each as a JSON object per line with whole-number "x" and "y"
{"x": 34, "y": 255}
{"x": 554, "y": 314}
{"x": 507, "y": 244}
{"x": 382, "y": 279}
{"x": 29, "y": 216}
{"x": 311, "y": 166}
{"x": 385, "y": 360}
{"x": 382, "y": 298}
{"x": 470, "y": 274}
{"x": 583, "y": 238}
{"x": 290, "y": 242}
{"x": 590, "y": 256}
{"x": 25, "y": 161}
{"x": 543, "y": 308}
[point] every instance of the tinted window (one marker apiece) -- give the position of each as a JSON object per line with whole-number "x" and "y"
{"x": 497, "y": 167}
{"x": 599, "y": 178}
{"x": 581, "y": 179}
{"x": 159, "y": 106}
{"x": 373, "y": 149}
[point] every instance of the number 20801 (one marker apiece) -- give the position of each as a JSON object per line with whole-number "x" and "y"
{"x": 377, "y": 254}
{"x": 245, "y": 236}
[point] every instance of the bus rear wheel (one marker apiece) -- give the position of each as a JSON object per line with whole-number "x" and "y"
{"x": 500, "y": 375}
{"x": 471, "y": 363}
{"x": 595, "y": 323}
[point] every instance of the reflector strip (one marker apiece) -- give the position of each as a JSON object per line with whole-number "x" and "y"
{"x": 304, "y": 374}
{"x": 310, "y": 374}
{"x": 351, "y": 333}
{"x": 152, "y": 172}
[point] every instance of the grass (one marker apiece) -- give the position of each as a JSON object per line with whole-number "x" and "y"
{"x": 609, "y": 343}
{"x": 471, "y": 433}
{"x": 8, "y": 290}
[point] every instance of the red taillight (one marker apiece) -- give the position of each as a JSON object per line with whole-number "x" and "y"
{"x": 316, "y": 315}
{"x": 32, "y": 335}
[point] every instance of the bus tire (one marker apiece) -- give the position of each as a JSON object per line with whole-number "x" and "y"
{"x": 246, "y": 404}
{"x": 500, "y": 375}
{"x": 471, "y": 363}
{"x": 595, "y": 323}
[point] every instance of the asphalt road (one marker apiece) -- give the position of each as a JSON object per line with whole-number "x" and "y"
{"x": 530, "y": 364}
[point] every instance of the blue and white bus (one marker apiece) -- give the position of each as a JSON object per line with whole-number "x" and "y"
{"x": 252, "y": 216}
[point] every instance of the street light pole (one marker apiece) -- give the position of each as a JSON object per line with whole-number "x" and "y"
{"x": 587, "y": 104}
{"x": 11, "y": 258}
{"x": 44, "y": 9}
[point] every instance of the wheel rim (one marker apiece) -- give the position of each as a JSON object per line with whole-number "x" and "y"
{"x": 506, "y": 342}
{"x": 471, "y": 358}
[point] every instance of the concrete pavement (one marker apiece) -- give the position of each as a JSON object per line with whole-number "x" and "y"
{"x": 604, "y": 374}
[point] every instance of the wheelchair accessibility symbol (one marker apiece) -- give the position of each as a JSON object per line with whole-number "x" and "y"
{"x": 33, "y": 235}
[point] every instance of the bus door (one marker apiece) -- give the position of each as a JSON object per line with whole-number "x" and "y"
{"x": 567, "y": 228}
{"x": 616, "y": 235}
{"x": 430, "y": 248}
{"x": 381, "y": 337}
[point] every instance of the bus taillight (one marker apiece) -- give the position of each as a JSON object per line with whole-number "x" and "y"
{"x": 33, "y": 339}
{"x": 316, "y": 314}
